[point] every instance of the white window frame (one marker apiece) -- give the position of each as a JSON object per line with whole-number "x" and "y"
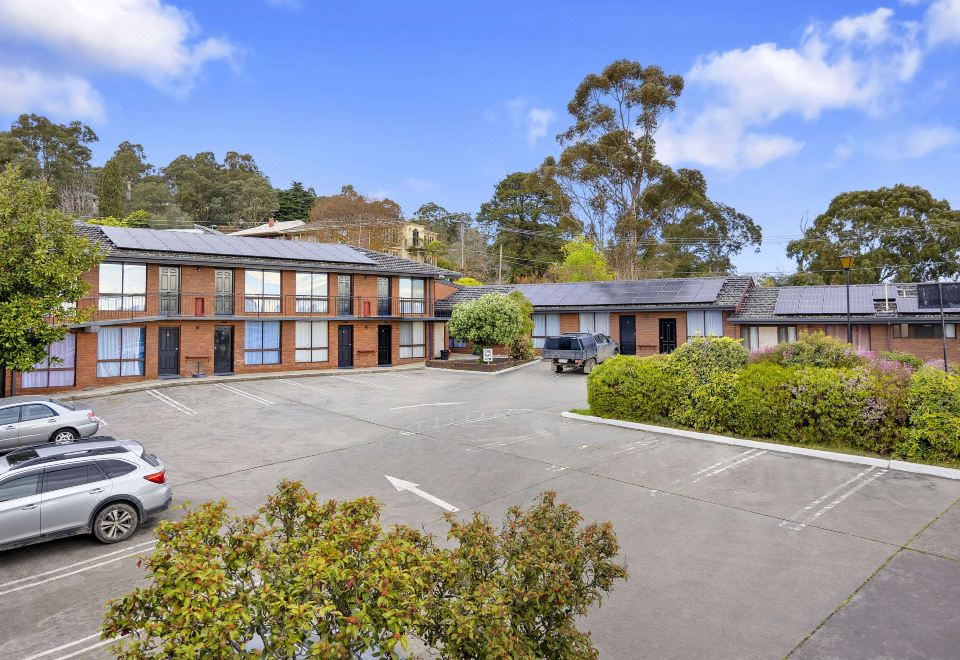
{"x": 409, "y": 346}
{"x": 312, "y": 342}
{"x": 261, "y": 350}
{"x": 39, "y": 374}
{"x": 257, "y": 299}
{"x": 132, "y": 341}
{"x": 704, "y": 323}
{"x": 311, "y": 293}
{"x": 545, "y": 324}
{"x": 130, "y": 295}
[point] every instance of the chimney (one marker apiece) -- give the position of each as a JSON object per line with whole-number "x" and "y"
{"x": 271, "y": 222}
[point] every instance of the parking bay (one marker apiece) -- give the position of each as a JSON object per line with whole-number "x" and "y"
{"x": 731, "y": 553}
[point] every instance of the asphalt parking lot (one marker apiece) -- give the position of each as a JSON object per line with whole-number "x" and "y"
{"x": 732, "y": 553}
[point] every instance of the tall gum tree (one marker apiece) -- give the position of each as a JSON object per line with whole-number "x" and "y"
{"x": 608, "y": 167}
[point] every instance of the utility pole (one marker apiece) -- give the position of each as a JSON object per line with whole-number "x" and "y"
{"x": 943, "y": 327}
{"x": 463, "y": 262}
{"x": 500, "y": 268}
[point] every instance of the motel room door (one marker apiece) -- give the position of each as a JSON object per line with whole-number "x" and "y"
{"x": 344, "y": 346}
{"x": 628, "y": 334}
{"x": 223, "y": 349}
{"x": 384, "y": 345}
{"x": 668, "y": 335}
{"x": 168, "y": 352}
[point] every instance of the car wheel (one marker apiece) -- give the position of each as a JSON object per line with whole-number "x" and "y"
{"x": 64, "y": 436}
{"x": 115, "y": 523}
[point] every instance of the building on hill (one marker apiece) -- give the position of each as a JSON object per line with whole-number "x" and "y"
{"x": 400, "y": 238}
{"x": 173, "y": 304}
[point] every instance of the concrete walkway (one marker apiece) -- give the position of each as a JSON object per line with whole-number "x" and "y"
{"x": 142, "y": 385}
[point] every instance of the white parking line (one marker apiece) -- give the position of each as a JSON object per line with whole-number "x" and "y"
{"x": 424, "y": 405}
{"x": 727, "y": 467}
{"x": 301, "y": 385}
{"x": 252, "y": 397}
{"x": 359, "y": 381}
{"x": 75, "y": 564}
{"x": 186, "y": 410}
{"x": 736, "y": 458}
{"x": 89, "y": 648}
{"x": 44, "y": 654}
{"x": 37, "y": 583}
{"x": 864, "y": 478}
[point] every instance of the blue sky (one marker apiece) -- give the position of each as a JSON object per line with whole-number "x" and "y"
{"x": 787, "y": 103}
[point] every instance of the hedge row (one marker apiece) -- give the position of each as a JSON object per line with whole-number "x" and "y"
{"x": 819, "y": 392}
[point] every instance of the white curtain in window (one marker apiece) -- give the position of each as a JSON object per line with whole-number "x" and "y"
{"x": 311, "y": 341}
{"x": 111, "y": 278}
{"x": 601, "y": 323}
{"x": 108, "y": 348}
{"x": 695, "y": 324}
{"x": 586, "y": 322}
{"x": 132, "y": 351}
{"x": 271, "y": 342}
{"x": 539, "y": 329}
{"x": 553, "y": 324}
{"x": 713, "y": 323}
{"x": 253, "y": 341}
{"x": 412, "y": 339}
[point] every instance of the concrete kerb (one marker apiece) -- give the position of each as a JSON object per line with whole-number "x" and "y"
{"x": 903, "y": 466}
{"x": 485, "y": 373}
{"x": 143, "y": 385}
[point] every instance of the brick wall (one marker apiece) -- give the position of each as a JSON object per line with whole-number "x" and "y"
{"x": 569, "y": 323}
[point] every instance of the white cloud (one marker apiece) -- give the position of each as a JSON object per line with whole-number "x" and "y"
{"x": 534, "y": 121}
{"x": 62, "y": 96}
{"x": 538, "y": 121}
{"x": 858, "y": 62}
{"x": 943, "y": 22}
{"x": 873, "y": 28}
{"x": 923, "y": 141}
{"x": 145, "y": 38}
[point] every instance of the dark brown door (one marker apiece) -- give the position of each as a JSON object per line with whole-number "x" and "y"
{"x": 668, "y": 335}
{"x": 345, "y": 346}
{"x": 628, "y": 334}
{"x": 168, "y": 358}
{"x": 223, "y": 349}
{"x": 384, "y": 345}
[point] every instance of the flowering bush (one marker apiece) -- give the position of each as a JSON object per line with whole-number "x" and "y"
{"x": 814, "y": 350}
{"x": 908, "y": 359}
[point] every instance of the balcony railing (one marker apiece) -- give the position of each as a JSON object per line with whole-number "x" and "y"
{"x": 122, "y": 307}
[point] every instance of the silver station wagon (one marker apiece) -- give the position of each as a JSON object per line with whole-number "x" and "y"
{"x": 98, "y": 486}
{"x": 29, "y": 420}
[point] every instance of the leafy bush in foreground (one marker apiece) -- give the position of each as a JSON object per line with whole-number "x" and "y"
{"x": 814, "y": 349}
{"x": 304, "y": 578}
{"x": 635, "y": 389}
{"x": 908, "y": 359}
{"x": 934, "y": 403}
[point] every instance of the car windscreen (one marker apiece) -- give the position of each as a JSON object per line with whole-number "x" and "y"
{"x": 562, "y": 344}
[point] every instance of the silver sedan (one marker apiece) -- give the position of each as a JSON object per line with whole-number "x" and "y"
{"x": 28, "y": 420}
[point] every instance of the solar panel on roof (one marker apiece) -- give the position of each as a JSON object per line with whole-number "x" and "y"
{"x": 633, "y": 292}
{"x": 156, "y": 240}
{"x": 812, "y": 300}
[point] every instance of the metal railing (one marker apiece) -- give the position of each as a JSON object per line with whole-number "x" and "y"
{"x": 119, "y": 307}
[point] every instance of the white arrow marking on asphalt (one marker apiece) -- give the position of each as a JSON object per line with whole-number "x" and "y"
{"x": 423, "y": 405}
{"x": 400, "y": 485}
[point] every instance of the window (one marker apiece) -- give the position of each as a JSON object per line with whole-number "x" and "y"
{"x": 787, "y": 334}
{"x": 262, "y": 342}
{"x": 33, "y": 411}
{"x": 595, "y": 322}
{"x": 10, "y": 415}
{"x": 312, "y": 341}
{"x": 458, "y": 343}
{"x": 261, "y": 290}
{"x": 861, "y": 334}
{"x": 411, "y": 295}
{"x": 50, "y": 372}
{"x": 412, "y": 340}
{"x": 544, "y": 325}
{"x": 416, "y": 238}
{"x": 311, "y": 293}
{"x": 344, "y": 295}
{"x": 924, "y": 331}
{"x": 75, "y": 475}
{"x": 114, "y": 468}
{"x": 704, "y": 323}
{"x": 384, "y": 307}
{"x": 123, "y": 287}
{"x": 120, "y": 352}
{"x": 14, "y": 489}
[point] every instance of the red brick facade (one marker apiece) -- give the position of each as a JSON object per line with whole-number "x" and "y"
{"x": 197, "y": 320}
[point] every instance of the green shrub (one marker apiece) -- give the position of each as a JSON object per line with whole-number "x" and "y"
{"x": 709, "y": 405}
{"x": 521, "y": 348}
{"x": 702, "y": 356}
{"x": 908, "y": 359}
{"x": 933, "y": 399}
{"x": 814, "y": 350}
{"x": 757, "y": 404}
{"x": 632, "y": 388}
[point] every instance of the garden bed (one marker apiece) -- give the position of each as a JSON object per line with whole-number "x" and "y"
{"x": 498, "y": 364}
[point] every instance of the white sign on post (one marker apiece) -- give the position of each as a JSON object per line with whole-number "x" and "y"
{"x": 488, "y": 355}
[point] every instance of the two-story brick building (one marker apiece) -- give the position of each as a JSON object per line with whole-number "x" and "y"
{"x": 172, "y": 305}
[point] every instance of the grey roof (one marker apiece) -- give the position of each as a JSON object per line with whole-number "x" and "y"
{"x": 620, "y": 294}
{"x": 277, "y": 253}
{"x": 868, "y": 302}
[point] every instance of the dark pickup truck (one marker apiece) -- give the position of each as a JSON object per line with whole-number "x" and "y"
{"x": 578, "y": 349}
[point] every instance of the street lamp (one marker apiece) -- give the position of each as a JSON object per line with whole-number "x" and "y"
{"x": 846, "y": 262}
